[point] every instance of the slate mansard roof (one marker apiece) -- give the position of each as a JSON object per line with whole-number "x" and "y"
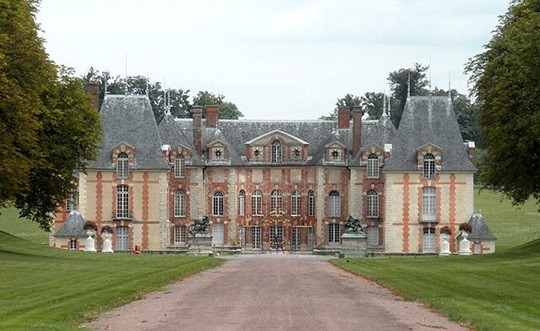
{"x": 429, "y": 120}
{"x": 480, "y": 229}
{"x": 236, "y": 133}
{"x": 129, "y": 119}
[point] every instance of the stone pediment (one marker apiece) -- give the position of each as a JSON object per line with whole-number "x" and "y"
{"x": 268, "y": 138}
{"x": 217, "y": 143}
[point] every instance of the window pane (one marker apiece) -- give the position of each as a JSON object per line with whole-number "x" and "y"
{"x": 122, "y": 166}
{"x": 241, "y": 203}
{"x": 296, "y": 205}
{"x": 179, "y": 204}
{"x": 334, "y": 204}
{"x": 276, "y": 202}
{"x": 372, "y": 204}
{"x": 218, "y": 204}
{"x": 373, "y": 236}
{"x": 179, "y": 167}
{"x": 429, "y": 166}
{"x": 122, "y": 238}
{"x": 276, "y": 152}
{"x": 122, "y": 202}
{"x": 428, "y": 203}
{"x": 311, "y": 206}
{"x": 373, "y": 166}
{"x": 333, "y": 233}
{"x": 256, "y": 203}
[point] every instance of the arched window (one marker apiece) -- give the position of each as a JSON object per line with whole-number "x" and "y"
{"x": 218, "y": 204}
{"x": 122, "y": 166}
{"x": 429, "y": 166}
{"x": 334, "y": 204}
{"x": 311, "y": 203}
{"x": 372, "y": 203}
{"x": 241, "y": 203}
{"x": 179, "y": 204}
{"x": 256, "y": 203}
{"x": 179, "y": 167}
{"x": 122, "y": 201}
{"x": 276, "y": 201}
{"x": 373, "y": 166}
{"x": 296, "y": 203}
{"x": 276, "y": 152}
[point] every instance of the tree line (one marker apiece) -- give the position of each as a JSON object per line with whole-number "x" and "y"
{"x": 163, "y": 100}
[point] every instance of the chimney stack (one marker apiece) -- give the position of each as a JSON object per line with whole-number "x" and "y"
{"x": 357, "y": 130}
{"x": 344, "y": 117}
{"x": 92, "y": 88}
{"x": 197, "y": 129}
{"x": 212, "y": 114}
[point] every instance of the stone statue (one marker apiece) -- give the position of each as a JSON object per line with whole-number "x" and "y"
{"x": 199, "y": 226}
{"x": 353, "y": 225}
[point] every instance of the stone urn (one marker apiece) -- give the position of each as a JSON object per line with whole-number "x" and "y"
{"x": 445, "y": 245}
{"x": 107, "y": 244}
{"x": 464, "y": 244}
{"x": 89, "y": 243}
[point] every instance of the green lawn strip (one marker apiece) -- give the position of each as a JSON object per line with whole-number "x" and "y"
{"x": 21, "y": 227}
{"x": 490, "y": 292}
{"x": 57, "y": 289}
{"x": 512, "y": 225}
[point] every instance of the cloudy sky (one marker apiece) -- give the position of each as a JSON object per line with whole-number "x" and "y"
{"x": 273, "y": 59}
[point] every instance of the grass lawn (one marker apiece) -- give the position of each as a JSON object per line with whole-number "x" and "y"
{"x": 48, "y": 288}
{"x": 499, "y": 291}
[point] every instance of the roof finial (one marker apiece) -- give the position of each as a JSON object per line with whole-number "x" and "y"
{"x": 126, "y": 77}
{"x": 389, "y": 104}
{"x": 430, "y": 74}
{"x": 146, "y": 91}
{"x": 449, "y": 86}
{"x": 409, "y": 85}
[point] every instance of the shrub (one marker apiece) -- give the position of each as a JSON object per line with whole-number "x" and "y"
{"x": 446, "y": 230}
{"x": 89, "y": 225}
{"x": 107, "y": 228}
{"x": 465, "y": 227}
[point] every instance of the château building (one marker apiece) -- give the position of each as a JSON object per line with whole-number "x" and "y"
{"x": 286, "y": 183}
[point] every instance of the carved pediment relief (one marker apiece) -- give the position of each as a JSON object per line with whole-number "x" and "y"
{"x": 285, "y": 138}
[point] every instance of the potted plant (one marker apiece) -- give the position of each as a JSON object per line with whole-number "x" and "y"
{"x": 90, "y": 227}
{"x": 107, "y": 228}
{"x": 465, "y": 227}
{"x": 445, "y": 230}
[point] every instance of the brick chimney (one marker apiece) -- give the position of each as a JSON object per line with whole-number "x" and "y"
{"x": 197, "y": 129}
{"x": 357, "y": 129}
{"x": 212, "y": 114}
{"x": 343, "y": 117}
{"x": 93, "y": 89}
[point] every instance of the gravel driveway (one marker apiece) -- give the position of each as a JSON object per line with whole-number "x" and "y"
{"x": 273, "y": 292}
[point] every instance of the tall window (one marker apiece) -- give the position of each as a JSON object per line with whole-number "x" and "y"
{"x": 428, "y": 203}
{"x": 179, "y": 204}
{"x": 334, "y": 204}
{"x": 276, "y": 152}
{"x": 180, "y": 234}
{"x": 179, "y": 167}
{"x": 296, "y": 203}
{"x": 122, "y": 166}
{"x": 241, "y": 203}
{"x": 372, "y": 236}
{"x": 311, "y": 203}
{"x": 429, "y": 166}
{"x": 256, "y": 203}
{"x": 333, "y": 233}
{"x": 429, "y": 240}
{"x": 276, "y": 201}
{"x": 122, "y": 238}
{"x": 217, "y": 204}
{"x": 372, "y": 203}
{"x": 122, "y": 201}
{"x": 373, "y": 166}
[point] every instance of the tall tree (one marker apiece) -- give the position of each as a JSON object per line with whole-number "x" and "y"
{"x": 374, "y": 103}
{"x": 227, "y": 110}
{"x": 404, "y": 82}
{"x": 48, "y": 126}
{"x": 506, "y": 81}
{"x": 348, "y": 100}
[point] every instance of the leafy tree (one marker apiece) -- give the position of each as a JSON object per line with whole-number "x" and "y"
{"x": 374, "y": 103}
{"x": 227, "y": 110}
{"x": 399, "y": 85}
{"x": 348, "y": 100}
{"x": 48, "y": 126}
{"x": 506, "y": 81}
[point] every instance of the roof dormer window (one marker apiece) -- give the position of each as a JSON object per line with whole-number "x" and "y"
{"x": 276, "y": 152}
{"x": 429, "y": 166}
{"x": 122, "y": 166}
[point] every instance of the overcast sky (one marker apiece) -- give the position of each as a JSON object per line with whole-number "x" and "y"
{"x": 273, "y": 59}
